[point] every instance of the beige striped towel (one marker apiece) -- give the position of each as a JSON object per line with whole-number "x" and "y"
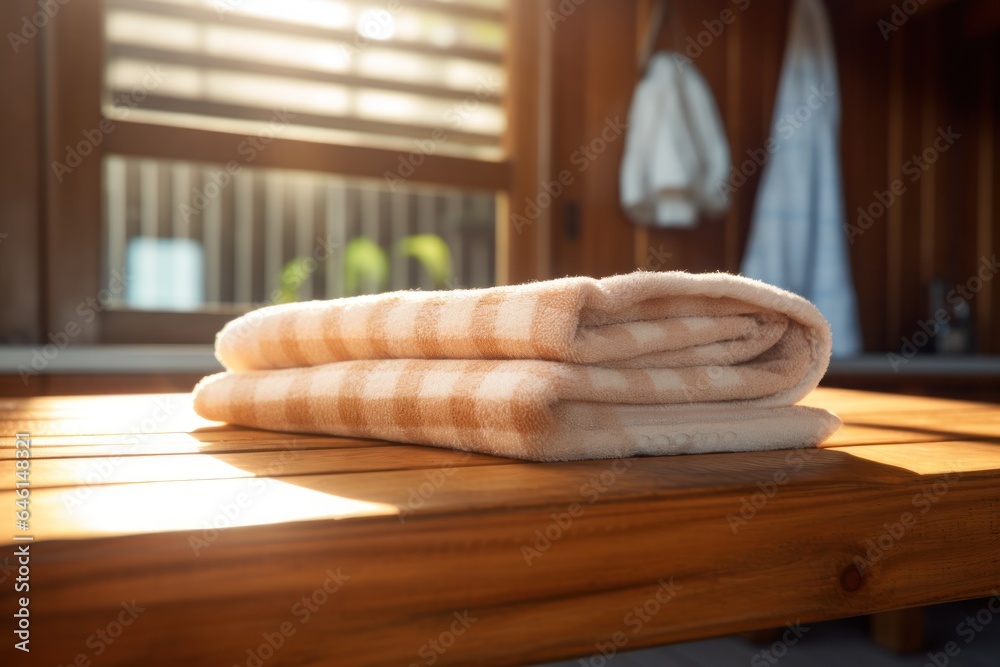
{"x": 575, "y": 368}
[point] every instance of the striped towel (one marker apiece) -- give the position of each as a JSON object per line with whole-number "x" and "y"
{"x": 575, "y": 368}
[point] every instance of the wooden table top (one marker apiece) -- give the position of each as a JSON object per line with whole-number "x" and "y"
{"x": 230, "y": 546}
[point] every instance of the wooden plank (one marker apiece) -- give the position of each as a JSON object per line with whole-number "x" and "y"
{"x": 851, "y": 403}
{"x": 126, "y": 444}
{"x": 283, "y": 462}
{"x": 176, "y": 143}
{"x": 791, "y": 562}
{"x": 911, "y": 428}
{"x": 494, "y": 488}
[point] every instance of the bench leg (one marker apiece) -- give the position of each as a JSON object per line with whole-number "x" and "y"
{"x": 900, "y": 631}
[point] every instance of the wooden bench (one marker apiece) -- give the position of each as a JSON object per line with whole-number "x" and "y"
{"x": 160, "y": 538}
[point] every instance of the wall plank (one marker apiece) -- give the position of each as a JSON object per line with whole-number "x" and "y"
{"x": 20, "y": 278}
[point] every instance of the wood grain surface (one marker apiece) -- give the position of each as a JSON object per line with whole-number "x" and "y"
{"x": 161, "y": 538}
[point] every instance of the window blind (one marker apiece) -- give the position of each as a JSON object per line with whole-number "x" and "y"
{"x": 389, "y": 74}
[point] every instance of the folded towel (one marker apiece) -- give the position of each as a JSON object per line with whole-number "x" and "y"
{"x": 576, "y": 368}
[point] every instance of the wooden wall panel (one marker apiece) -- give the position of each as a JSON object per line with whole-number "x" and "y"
{"x": 20, "y": 266}
{"x": 571, "y": 74}
{"x": 73, "y": 200}
{"x": 594, "y": 75}
{"x": 522, "y": 246}
{"x": 864, "y": 156}
{"x": 898, "y": 90}
{"x": 610, "y": 81}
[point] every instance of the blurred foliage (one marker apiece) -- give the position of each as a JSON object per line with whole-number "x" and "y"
{"x": 293, "y": 274}
{"x": 433, "y": 254}
{"x": 366, "y": 266}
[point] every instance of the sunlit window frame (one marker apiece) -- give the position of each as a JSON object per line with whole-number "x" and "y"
{"x": 73, "y": 77}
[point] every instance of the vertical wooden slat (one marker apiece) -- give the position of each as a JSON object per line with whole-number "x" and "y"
{"x": 427, "y": 206}
{"x": 607, "y": 243}
{"x": 733, "y": 115}
{"x": 149, "y": 197}
{"x": 116, "y": 212}
{"x": 863, "y": 62}
{"x": 370, "y": 213}
{"x": 985, "y": 194}
{"x": 894, "y": 215}
{"x": 928, "y": 131}
{"x": 640, "y": 233}
{"x": 212, "y": 239}
{"x": 570, "y": 75}
{"x": 243, "y": 261}
{"x": 274, "y": 204}
{"x": 479, "y": 261}
{"x": 73, "y": 56}
{"x": 399, "y": 212}
{"x": 22, "y": 173}
{"x": 304, "y": 240}
{"x": 180, "y": 194}
{"x": 543, "y": 148}
{"x": 454, "y": 212}
{"x": 519, "y": 254}
{"x": 479, "y": 271}
{"x": 336, "y": 235}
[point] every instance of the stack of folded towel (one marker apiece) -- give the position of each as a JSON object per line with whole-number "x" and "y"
{"x": 575, "y": 368}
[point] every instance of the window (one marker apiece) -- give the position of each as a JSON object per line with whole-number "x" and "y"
{"x": 221, "y": 154}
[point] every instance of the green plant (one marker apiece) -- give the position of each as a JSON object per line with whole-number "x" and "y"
{"x": 366, "y": 266}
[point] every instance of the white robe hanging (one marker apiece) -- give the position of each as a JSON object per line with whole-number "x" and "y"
{"x": 796, "y": 239}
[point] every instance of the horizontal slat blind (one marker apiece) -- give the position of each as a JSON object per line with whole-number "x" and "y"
{"x": 350, "y": 71}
